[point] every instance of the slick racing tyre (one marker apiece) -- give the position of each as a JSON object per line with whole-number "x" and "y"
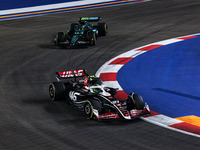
{"x": 92, "y": 38}
{"x": 73, "y": 26}
{"x": 135, "y": 101}
{"x": 72, "y": 29}
{"x": 57, "y": 91}
{"x": 60, "y": 37}
{"x": 102, "y": 29}
{"x": 89, "y": 108}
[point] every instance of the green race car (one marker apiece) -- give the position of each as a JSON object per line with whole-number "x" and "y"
{"x": 83, "y": 33}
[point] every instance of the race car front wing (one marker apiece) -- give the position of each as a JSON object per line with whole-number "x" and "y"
{"x": 123, "y": 114}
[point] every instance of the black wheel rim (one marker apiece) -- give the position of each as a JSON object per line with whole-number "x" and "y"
{"x": 87, "y": 109}
{"x": 51, "y": 92}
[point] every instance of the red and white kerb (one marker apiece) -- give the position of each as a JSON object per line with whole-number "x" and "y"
{"x": 108, "y": 73}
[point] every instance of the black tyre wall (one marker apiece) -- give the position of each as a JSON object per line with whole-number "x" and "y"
{"x": 102, "y": 28}
{"x": 89, "y": 106}
{"x": 139, "y": 103}
{"x": 58, "y": 89}
{"x": 88, "y": 109}
{"x": 135, "y": 101}
{"x": 92, "y": 38}
{"x": 60, "y": 37}
{"x": 130, "y": 102}
{"x": 96, "y": 105}
{"x": 72, "y": 30}
{"x": 73, "y": 25}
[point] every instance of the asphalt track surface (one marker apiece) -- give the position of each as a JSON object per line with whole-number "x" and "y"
{"x": 29, "y": 120}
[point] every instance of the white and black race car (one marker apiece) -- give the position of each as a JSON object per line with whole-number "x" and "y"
{"x": 89, "y": 94}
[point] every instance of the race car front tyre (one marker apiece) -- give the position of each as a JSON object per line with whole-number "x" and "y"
{"x": 92, "y": 38}
{"x": 72, "y": 29}
{"x": 102, "y": 29}
{"x": 139, "y": 103}
{"x": 135, "y": 101}
{"x": 57, "y": 91}
{"x": 60, "y": 37}
{"x": 73, "y": 26}
{"x": 96, "y": 105}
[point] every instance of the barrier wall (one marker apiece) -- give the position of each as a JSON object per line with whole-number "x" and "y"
{"x": 13, "y": 4}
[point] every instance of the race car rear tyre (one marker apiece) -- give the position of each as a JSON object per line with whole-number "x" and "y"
{"x": 92, "y": 38}
{"x": 57, "y": 91}
{"x": 102, "y": 29}
{"x": 88, "y": 109}
{"x": 60, "y": 37}
{"x": 135, "y": 101}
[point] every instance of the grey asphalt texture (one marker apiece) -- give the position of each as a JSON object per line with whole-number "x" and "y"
{"x": 30, "y": 121}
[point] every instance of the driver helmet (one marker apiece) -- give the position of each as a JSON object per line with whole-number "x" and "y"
{"x": 92, "y": 80}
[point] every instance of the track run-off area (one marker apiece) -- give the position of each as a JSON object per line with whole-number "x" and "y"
{"x": 167, "y": 81}
{"x": 29, "y": 120}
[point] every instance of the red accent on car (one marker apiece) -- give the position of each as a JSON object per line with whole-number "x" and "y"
{"x": 86, "y": 81}
{"x": 71, "y": 73}
{"x": 135, "y": 112}
{"x": 119, "y": 105}
{"x": 109, "y": 115}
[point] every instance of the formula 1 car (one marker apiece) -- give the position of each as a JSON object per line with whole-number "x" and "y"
{"x": 82, "y": 33}
{"x": 98, "y": 101}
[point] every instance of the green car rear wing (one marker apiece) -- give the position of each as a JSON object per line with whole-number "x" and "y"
{"x": 90, "y": 19}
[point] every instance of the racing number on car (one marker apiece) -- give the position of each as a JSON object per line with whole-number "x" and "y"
{"x": 73, "y": 95}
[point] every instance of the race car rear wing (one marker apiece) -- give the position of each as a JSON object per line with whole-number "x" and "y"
{"x": 90, "y": 19}
{"x": 71, "y": 74}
